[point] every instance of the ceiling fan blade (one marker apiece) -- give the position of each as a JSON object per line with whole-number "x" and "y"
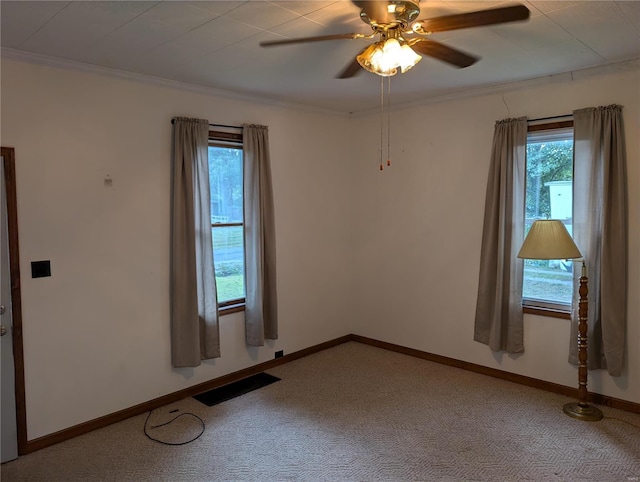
{"x": 442, "y": 52}
{"x": 490, "y": 16}
{"x": 351, "y": 70}
{"x": 272, "y": 43}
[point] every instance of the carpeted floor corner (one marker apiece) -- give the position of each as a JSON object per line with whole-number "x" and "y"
{"x": 355, "y": 412}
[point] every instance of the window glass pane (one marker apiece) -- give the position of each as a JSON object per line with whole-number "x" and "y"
{"x": 225, "y": 180}
{"x": 228, "y": 257}
{"x": 548, "y": 281}
{"x": 549, "y": 196}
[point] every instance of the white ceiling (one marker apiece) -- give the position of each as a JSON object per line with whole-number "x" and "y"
{"x": 215, "y": 44}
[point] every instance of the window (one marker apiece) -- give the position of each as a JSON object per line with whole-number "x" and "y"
{"x": 226, "y": 185}
{"x": 548, "y": 284}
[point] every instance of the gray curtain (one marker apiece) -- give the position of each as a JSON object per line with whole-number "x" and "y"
{"x": 600, "y": 230}
{"x": 498, "y": 321}
{"x": 261, "y": 313}
{"x": 194, "y": 307}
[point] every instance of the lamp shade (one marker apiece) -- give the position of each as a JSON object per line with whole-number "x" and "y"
{"x": 548, "y": 239}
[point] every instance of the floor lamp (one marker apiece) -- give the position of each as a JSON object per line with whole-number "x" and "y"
{"x": 549, "y": 239}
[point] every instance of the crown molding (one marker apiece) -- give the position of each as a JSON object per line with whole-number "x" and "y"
{"x": 568, "y": 76}
{"x": 48, "y": 61}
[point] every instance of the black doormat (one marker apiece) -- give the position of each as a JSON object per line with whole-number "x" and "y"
{"x": 235, "y": 389}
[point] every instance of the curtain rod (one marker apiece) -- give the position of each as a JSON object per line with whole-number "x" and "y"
{"x": 222, "y": 125}
{"x": 550, "y": 118}
{"x": 173, "y": 121}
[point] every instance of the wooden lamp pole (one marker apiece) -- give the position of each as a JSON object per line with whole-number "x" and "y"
{"x": 581, "y": 409}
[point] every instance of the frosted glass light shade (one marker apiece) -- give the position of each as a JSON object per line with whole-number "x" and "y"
{"x": 384, "y": 58}
{"x": 548, "y": 239}
{"x": 373, "y": 59}
{"x": 408, "y": 58}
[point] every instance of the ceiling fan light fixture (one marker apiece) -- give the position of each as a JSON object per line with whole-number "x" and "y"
{"x": 397, "y": 24}
{"x": 384, "y": 58}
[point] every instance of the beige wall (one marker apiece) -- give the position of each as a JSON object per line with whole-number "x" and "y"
{"x": 96, "y": 334}
{"x": 418, "y": 229}
{"x": 392, "y": 255}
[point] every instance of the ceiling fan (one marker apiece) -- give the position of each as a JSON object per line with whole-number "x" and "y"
{"x": 402, "y": 36}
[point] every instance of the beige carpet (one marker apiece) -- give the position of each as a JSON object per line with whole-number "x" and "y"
{"x": 360, "y": 413}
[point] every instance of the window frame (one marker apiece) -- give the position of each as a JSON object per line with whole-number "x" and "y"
{"x": 228, "y": 140}
{"x": 541, "y": 307}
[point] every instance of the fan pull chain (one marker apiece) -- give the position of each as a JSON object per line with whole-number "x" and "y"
{"x": 381, "y": 120}
{"x": 389, "y": 121}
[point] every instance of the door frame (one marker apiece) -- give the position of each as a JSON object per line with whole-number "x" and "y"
{"x": 9, "y": 160}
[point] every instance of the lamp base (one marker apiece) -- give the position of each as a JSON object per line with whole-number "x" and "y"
{"x": 585, "y": 412}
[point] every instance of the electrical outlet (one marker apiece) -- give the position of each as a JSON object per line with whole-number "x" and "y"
{"x": 279, "y": 353}
{"x": 40, "y": 269}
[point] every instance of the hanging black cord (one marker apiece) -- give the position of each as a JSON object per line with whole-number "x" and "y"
{"x": 167, "y": 423}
